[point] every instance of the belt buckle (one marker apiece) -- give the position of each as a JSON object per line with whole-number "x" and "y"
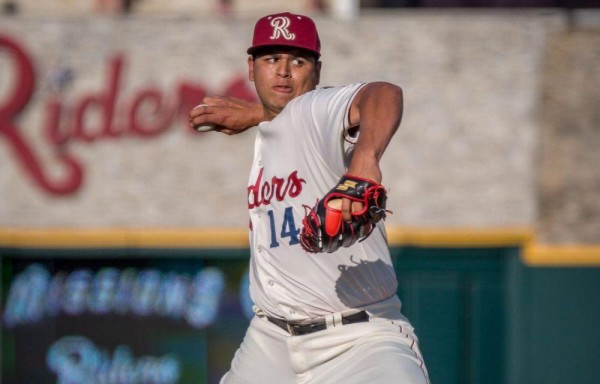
{"x": 296, "y": 329}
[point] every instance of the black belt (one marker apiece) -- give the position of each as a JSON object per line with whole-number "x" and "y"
{"x": 296, "y": 329}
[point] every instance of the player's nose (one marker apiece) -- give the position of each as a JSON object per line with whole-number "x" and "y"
{"x": 284, "y": 68}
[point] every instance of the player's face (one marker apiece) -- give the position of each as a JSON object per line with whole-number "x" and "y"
{"x": 281, "y": 75}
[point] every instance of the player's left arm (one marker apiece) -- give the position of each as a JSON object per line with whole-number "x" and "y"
{"x": 377, "y": 109}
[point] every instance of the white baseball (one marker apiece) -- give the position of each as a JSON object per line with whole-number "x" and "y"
{"x": 205, "y": 127}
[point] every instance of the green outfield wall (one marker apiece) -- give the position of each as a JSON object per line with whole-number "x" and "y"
{"x": 489, "y": 306}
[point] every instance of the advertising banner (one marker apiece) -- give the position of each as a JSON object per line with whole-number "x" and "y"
{"x": 106, "y": 319}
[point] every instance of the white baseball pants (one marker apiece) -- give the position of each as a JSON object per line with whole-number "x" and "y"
{"x": 383, "y": 350}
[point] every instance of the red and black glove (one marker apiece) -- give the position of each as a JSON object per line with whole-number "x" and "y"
{"x": 323, "y": 228}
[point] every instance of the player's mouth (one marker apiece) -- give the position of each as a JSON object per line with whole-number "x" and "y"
{"x": 283, "y": 88}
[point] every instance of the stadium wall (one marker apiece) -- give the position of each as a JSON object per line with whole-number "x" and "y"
{"x": 495, "y": 228}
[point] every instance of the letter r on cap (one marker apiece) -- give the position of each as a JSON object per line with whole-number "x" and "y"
{"x": 280, "y": 26}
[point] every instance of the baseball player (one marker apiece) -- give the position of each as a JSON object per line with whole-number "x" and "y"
{"x": 321, "y": 275}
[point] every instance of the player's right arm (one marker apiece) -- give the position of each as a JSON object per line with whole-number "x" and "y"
{"x": 229, "y": 115}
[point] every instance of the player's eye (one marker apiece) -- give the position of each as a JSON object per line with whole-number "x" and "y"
{"x": 298, "y": 61}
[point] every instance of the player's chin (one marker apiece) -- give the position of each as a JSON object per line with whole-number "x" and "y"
{"x": 282, "y": 98}
{"x": 278, "y": 104}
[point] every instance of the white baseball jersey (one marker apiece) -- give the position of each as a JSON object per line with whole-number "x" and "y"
{"x": 299, "y": 156}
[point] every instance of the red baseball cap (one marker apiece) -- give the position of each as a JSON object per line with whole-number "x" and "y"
{"x": 286, "y": 29}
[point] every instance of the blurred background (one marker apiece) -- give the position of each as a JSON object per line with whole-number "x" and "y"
{"x": 123, "y": 237}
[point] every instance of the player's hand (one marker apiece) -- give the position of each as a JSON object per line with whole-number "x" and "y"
{"x": 348, "y": 206}
{"x": 228, "y": 115}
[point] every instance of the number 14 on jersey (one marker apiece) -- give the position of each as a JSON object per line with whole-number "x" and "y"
{"x": 286, "y": 228}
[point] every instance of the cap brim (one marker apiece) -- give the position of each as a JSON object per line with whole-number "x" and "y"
{"x": 255, "y": 48}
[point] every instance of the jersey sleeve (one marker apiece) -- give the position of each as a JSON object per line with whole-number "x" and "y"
{"x": 325, "y": 113}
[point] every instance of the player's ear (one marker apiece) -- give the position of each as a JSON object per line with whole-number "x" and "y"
{"x": 250, "y": 68}
{"x": 318, "y": 72}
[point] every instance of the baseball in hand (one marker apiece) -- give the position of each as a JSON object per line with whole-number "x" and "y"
{"x": 204, "y": 127}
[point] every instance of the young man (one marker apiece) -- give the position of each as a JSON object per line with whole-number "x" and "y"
{"x": 320, "y": 317}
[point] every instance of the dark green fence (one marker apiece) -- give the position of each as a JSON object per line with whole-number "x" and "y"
{"x": 482, "y": 316}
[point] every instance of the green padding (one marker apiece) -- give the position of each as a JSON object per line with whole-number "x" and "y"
{"x": 482, "y": 316}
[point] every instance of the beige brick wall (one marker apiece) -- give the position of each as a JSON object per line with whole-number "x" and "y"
{"x": 569, "y": 177}
{"x": 157, "y": 7}
{"x": 465, "y": 154}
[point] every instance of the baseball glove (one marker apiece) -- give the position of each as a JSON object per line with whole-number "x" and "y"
{"x": 323, "y": 228}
